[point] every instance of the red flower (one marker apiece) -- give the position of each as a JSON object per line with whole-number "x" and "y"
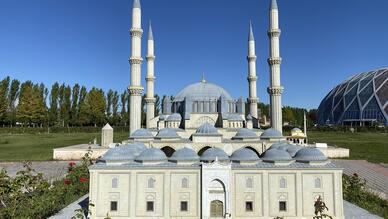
{"x": 67, "y": 182}
{"x": 83, "y": 180}
{"x": 71, "y": 164}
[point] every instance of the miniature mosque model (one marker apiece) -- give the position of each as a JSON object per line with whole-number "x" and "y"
{"x": 205, "y": 157}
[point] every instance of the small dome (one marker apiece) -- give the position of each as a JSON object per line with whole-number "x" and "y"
{"x": 206, "y": 129}
{"x": 167, "y": 133}
{"x": 244, "y": 154}
{"x": 152, "y": 154}
{"x": 245, "y": 133}
{"x": 235, "y": 117}
{"x": 278, "y": 144}
{"x": 276, "y": 155}
{"x": 212, "y": 153}
{"x": 141, "y": 133}
{"x": 293, "y": 149}
{"x": 271, "y": 133}
{"x": 162, "y": 117}
{"x": 309, "y": 154}
{"x": 124, "y": 152}
{"x": 175, "y": 117}
{"x": 297, "y": 132}
{"x": 184, "y": 154}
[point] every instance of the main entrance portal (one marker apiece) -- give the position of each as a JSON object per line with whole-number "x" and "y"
{"x": 217, "y": 209}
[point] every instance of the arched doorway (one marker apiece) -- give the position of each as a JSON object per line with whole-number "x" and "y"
{"x": 254, "y": 150}
{"x": 200, "y": 152}
{"x": 168, "y": 151}
{"x": 217, "y": 209}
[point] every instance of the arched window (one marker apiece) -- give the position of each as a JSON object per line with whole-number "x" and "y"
{"x": 115, "y": 182}
{"x": 151, "y": 183}
{"x": 249, "y": 183}
{"x": 317, "y": 183}
{"x": 185, "y": 183}
{"x": 282, "y": 183}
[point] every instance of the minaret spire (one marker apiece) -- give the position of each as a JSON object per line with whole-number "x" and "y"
{"x": 275, "y": 89}
{"x": 135, "y": 88}
{"x": 150, "y": 78}
{"x": 252, "y": 77}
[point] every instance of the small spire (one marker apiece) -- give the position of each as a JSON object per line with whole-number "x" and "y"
{"x": 251, "y": 38}
{"x": 203, "y": 80}
{"x": 274, "y": 4}
{"x": 150, "y": 34}
{"x": 136, "y": 4}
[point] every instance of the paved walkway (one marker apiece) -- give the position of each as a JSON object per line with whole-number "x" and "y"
{"x": 51, "y": 170}
{"x": 376, "y": 175}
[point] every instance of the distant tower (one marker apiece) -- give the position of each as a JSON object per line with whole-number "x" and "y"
{"x": 135, "y": 88}
{"x": 275, "y": 90}
{"x": 252, "y": 78}
{"x": 150, "y": 99}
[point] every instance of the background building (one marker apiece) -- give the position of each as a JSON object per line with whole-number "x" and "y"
{"x": 360, "y": 100}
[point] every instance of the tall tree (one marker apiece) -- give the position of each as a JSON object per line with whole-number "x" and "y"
{"x": 115, "y": 108}
{"x": 124, "y": 113}
{"x": 4, "y": 88}
{"x": 12, "y": 97}
{"x": 53, "y": 112}
{"x": 109, "y": 99}
{"x": 74, "y": 104}
{"x": 31, "y": 109}
{"x": 157, "y": 105}
{"x": 65, "y": 108}
{"x": 92, "y": 110}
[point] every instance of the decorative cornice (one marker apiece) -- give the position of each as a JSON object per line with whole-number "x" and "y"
{"x": 252, "y": 58}
{"x": 150, "y": 100}
{"x": 252, "y": 100}
{"x": 150, "y": 57}
{"x": 274, "y": 33}
{"x": 135, "y": 60}
{"x": 135, "y": 90}
{"x": 138, "y": 32}
{"x": 275, "y": 90}
{"x": 252, "y": 78}
{"x": 274, "y": 61}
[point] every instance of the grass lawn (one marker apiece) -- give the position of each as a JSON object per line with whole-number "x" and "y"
{"x": 19, "y": 147}
{"x": 366, "y": 146}
{"x": 363, "y": 146}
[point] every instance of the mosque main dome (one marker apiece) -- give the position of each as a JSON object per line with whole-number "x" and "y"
{"x": 202, "y": 91}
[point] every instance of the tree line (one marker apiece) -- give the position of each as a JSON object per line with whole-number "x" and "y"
{"x": 34, "y": 104}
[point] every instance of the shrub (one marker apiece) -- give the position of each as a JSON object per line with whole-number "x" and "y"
{"x": 29, "y": 195}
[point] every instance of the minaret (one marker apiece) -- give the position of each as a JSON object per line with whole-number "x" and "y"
{"x": 135, "y": 88}
{"x": 252, "y": 78}
{"x": 275, "y": 90}
{"x": 150, "y": 99}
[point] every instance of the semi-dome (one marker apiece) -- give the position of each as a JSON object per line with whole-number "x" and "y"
{"x": 212, "y": 154}
{"x": 276, "y": 155}
{"x": 278, "y": 144}
{"x": 202, "y": 91}
{"x": 167, "y": 133}
{"x": 184, "y": 154}
{"x": 175, "y": 117}
{"x": 124, "y": 152}
{"x": 245, "y": 133}
{"x": 271, "y": 133}
{"x": 293, "y": 149}
{"x": 309, "y": 154}
{"x": 151, "y": 154}
{"x": 244, "y": 154}
{"x": 361, "y": 98}
{"x": 141, "y": 133}
{"x": 206, "y": 129}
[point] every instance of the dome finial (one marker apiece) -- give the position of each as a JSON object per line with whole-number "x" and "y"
{"x": 203, "y": 80}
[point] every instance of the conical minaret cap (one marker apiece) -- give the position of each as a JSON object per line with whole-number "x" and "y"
{"x": 150, "y": 34}
{"x": 136, "y": 4}
{"x": 251, "y": 38}
{"x": 274, "y": 4}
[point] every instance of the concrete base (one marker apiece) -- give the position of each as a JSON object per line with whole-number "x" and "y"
{"x": 332, "y": 152}
{"x": 76, "y": 152}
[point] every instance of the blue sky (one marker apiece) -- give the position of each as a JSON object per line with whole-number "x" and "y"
{"x": 323, "y": 42}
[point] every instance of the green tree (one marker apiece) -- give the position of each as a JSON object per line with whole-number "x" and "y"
{"x": 4, "y": 88}
{"x": 157, "y": 105}
{"x": 13, "y": 95}
{"x": 53, "y": 112}
{"x": 109, "y": 99}
{"x": 92, "y": 110}
{"x": 124, "y": 104}
{"x": 74, "y": 104}
{"x": 31, "y": 109}
{"x": 115, "y": 108}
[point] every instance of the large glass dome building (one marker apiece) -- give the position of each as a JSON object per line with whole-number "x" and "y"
{"x": 360, "y": 100}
